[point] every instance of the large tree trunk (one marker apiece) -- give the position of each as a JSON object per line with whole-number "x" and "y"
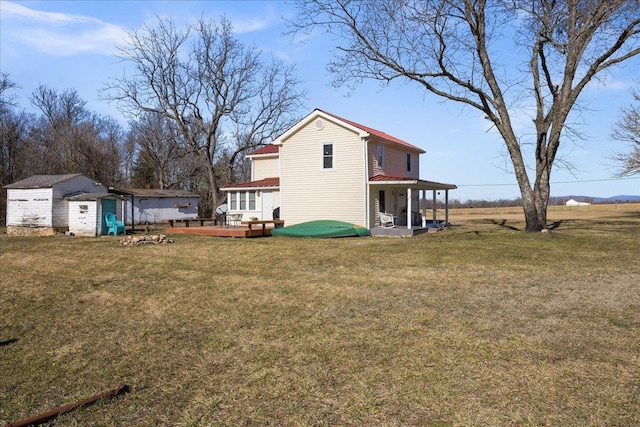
{"x": 212, "y": 202}
{"x": 534, "y": 204}
{"x": 535, "y": 208}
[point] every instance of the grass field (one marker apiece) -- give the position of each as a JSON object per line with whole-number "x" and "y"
{"x": 481, "y": 325}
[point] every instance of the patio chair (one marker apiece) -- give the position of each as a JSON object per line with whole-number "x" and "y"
{"x": 387, "y": 220}
{"x": 234, "y": 220}
{"x": 114, "y": 225}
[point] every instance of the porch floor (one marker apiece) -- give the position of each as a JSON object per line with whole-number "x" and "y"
{"x": 403, "y": 231}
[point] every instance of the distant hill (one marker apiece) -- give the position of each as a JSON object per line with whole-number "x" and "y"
{"x": 613, "y": 199}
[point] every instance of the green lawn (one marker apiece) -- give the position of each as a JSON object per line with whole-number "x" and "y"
{"x": 478, "y": 325}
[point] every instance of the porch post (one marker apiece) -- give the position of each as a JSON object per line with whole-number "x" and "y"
{"x": 446, "y": 208}
{"x": 434, "y": 209}
{"x": 409, "y": 216}
{"x": 423, "y": 208}
{"x": 133, "y": 216}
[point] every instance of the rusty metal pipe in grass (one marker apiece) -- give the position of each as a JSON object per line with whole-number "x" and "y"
{"x": 43, "y": 418}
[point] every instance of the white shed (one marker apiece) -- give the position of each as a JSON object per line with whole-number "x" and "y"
{"x": 152, "y": 206}
{"x": 572, "y": 202}
{"x": 38, "y": 205}
{"x": 87, "y": 212}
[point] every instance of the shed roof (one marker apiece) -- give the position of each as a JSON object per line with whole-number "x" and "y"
{"x": 154, "y": 192}
{"x": 42, "y": 181}
{"x": 92, "y": 196}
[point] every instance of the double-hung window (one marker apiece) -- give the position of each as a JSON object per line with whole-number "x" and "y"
{"x": 327, "y": 156}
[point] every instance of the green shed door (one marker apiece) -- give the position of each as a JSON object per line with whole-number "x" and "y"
{"x": 107, "y": 206}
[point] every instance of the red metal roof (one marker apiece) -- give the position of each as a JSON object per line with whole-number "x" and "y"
{"x": 262, "y": 183}
{"x": 267, "y": 149}
{"x": 428, "y": 184}
{"x": 376, "y": 132}
{"x": 392, "y": 178}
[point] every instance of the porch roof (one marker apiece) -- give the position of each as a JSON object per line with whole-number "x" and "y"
{"x": 415, "y": 183}
{"x": 270, "y": 183}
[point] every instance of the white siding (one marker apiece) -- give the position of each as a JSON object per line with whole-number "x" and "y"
{"x": 84, "y": 222}
{"x": 154, "y": 210}
{"x": 265, "y": 167}
{"x": 78, "y": 184}
{"x": 246, "y": 213}
{"x": 308, "y": 192}
{"x": 30, "y": 207}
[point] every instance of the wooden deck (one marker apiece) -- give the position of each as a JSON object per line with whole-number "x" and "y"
{"x": 248, "y": 229}
{"x": 220, "y": 231}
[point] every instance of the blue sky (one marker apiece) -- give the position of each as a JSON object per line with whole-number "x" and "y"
{"x": 70, "y": 44}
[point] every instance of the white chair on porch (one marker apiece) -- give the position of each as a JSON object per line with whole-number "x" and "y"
{"x": 387, "y": 220}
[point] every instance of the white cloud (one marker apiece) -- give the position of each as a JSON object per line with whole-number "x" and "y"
{"x": 60, "y": 34}
{"x": 267, "y": 18}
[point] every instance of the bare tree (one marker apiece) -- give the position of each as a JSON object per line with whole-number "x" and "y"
{"x": 14, "y": 127}
{"x": 211, "y": 86}
{"x": 13, "y": 130}
{"x": 455, "y": 50}
{"x": 68, "y": 138}
{"x": 627, "y": 129}
{"x": 161, "y": 160}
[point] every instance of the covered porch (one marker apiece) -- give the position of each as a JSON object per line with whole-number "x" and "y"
{"x": 404, "y": 200}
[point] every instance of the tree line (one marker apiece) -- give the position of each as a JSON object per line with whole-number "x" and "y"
{"x": 197, "y": 100}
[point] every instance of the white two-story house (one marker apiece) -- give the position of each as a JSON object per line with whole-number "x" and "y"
{"x": 327, "y": 167}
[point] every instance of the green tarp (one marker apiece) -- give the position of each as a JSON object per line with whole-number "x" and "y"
{"x": 322, "y": 228}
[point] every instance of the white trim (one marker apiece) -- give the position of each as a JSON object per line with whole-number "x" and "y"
{"x": 256, "y": 188}
{"x": 315, "y": 114}
{"x": 367, "y": 188}
{"x": 262, "y": 156}
{"x": 409, "y": 208}
{"x": 333, "y": 156}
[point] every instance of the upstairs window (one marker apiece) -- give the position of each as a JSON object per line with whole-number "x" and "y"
{"x": 408, "y": 162}
{"x": 327, "y": 156}
{"x": 380, "y": 154}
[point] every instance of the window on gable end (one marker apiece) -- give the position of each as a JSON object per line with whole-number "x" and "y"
{"x": 408, "y": 162}
{"x": 327, "y": 156}
{"x": 380, "y": 154}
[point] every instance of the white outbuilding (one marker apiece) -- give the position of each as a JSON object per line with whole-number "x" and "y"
{"x": 87, "y": 212}
{"x": 40, "y": 204}
{"x": 153, "y": 206}
{"x": 572, "y": 202}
